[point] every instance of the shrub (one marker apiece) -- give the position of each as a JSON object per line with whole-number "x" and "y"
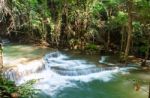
{"x": 8, "y": 89}
{"x": 91, "y": 47}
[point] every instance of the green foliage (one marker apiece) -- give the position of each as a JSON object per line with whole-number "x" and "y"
{"x": 137, "y": 27}
{"x": 143, "y": 49}
{"x": 121, "y": 18}
{"x": 112, "y": 3}
{"x": 58, "y": 21}
{"x": 6, "y": 87}
{"x": 143, "y": 8}
{"x": 26, "y": 90}
{"x": 91, "y": 47}
{"x": 117, "y": 21}
{"x": 97, "y": 8}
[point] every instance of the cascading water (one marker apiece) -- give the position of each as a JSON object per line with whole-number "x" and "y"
{"x": 59, "y": 71}
{"x": 5, "y": 41}
{"x": 103, "y": 60}
{"x": 62, "y": 65}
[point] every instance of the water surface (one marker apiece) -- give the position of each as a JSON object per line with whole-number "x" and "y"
{"x": 104, "y": 84}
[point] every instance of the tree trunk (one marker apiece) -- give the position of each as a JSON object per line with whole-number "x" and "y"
{"x": 149, "y": 91}
{"x": 129, "y": 30}
{"x": 1, "y": 56}
{"x": 108, "y": 40}
{"x": 45, "y": 22}
{"x": 146, "y": 54}
{"x": 122, "y": 39}
{"x": 109, "y": 14}
{"x": 63, "y": 36}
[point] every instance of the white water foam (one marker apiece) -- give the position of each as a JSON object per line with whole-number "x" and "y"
{"x": 50, "y": 82}
{"x": 103, "y": 60}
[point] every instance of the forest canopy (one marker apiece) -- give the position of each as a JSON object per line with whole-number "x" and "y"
{"x": 122, "y": 25}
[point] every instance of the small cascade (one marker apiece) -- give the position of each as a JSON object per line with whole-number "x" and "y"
{"x": 58, "y": 71}
{"x": 104, "y": 59}
{"x": 62, "y": 65}
{"x": 79, "y": 72}
{"x": 59, "y": 64}
{"x": 16, "y": 73}
{"x": 75, "y": 72}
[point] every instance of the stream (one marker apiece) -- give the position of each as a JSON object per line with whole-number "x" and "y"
{"x": 69, "y": 75}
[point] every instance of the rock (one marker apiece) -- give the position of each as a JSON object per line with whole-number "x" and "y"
{"x": 15, "y": 95}
{"x": 146, "y": 68}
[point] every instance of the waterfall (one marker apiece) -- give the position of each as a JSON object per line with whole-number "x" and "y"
{"x": 16, "y": 73}
{"x": 78, "y": 72}
{"x": 103, "y": 60}
{"x": 59, "y": 64}
{"x": 57, "y": 71}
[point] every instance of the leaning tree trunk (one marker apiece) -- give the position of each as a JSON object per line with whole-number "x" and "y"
{"x": 129, "y": 30}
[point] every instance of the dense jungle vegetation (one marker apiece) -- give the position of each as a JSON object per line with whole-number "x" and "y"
{"x": 109, "y": 25}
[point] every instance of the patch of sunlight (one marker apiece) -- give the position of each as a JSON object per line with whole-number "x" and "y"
{"x": 22, "y": 54}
